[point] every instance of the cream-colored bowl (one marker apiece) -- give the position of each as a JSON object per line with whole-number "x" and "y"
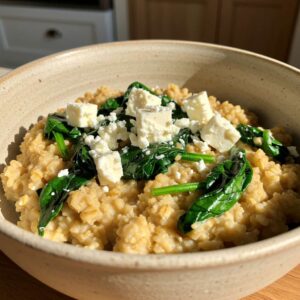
{"x": 268, "y": 87}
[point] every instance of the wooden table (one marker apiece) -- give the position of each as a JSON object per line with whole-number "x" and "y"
{"x": 15, "y": 284}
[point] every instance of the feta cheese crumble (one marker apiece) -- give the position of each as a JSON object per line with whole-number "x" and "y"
{"x": 177, "y": 175}
{"x": 97, "y": 145}
{"x": 139, "y": 98}
{"x": 82, "y": 114}
{"x": 203, "y": 146}
{"x": 220, "y": 133}
{"x": 113, "y": 132}
{"x": 200, "y": 166}
{"x": 198, "y": 108}
{"x": 64, "y": 172}
{"x": 105, "y": 189}
{"x": 109, "y": 168}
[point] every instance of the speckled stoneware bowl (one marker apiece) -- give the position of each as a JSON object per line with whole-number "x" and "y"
{"x": 270, "y": 88}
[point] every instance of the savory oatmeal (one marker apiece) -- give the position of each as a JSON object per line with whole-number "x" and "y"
{"x": 154, "y": 171}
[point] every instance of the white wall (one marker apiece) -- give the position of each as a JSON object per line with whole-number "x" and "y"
{"x": 294, "y": 58}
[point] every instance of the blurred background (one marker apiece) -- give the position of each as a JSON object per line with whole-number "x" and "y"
{"x": 35, "y": 28}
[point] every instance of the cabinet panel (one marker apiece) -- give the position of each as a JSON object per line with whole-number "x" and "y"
{"x": 263, "y": 26}
{"x": 28, "y": 33}
{"x": 174, "y": 19}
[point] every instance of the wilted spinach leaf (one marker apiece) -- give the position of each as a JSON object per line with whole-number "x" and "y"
{"x": 82, "y": 163}
{"x": 56, "y": 123}
{"x": 54, "y": 195}
{"x": 110, "y": 105}
{"x": 221, "y": 190}
{"x": 56, "y": 128}
{"x": 143, "y": 164}
{"x": 251, "y": 135}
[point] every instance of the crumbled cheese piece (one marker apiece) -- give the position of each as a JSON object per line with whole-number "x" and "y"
{"x": 171, "y": 105}
{"x": 97, "y": 145}
{"x": 139, "y": 98}
{"x": 154, "y": 125}
{"x": 112, "y": 117}
{"x": 113, "y": 132}
{"x": 105, "y": 189}
{"x": 198, "y": 108}
{"x": 187, "y": 123}
{"x": 64, "y": 172}
{"x": 159, "y": 157}
{"x": 220, "y": 133}
{"x": 101, "y": 118}
{"x": 203, "y": 146}
{"x": 109, "y": 168}
{"x": 177, "y": 175}
{"x": 82, "y": 114}
{"x": 200, "y": 165}
{"x": 125, "y": 149}
{"x": 293, "y": 151}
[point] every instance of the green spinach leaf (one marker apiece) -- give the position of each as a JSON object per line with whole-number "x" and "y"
{"x": 110, "y": 105}
{"x": 54, "y": 195}
{"x": 82, "y": 163}
{"x": 144, "y": 164}
{"x": 56, "y": 123}
{"x": 262, "y": 138}
{"x": 59, "y": 138}
{"x": 221, "y": 190}
{"x": 56, "y": 128}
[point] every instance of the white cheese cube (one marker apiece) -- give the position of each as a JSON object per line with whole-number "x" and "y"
{"x": 82, "y": 114}
{"x": 220, "y": 133}
{"x": 154, "y": 125}
{"x": 109, "y": 168}
{"x": 198, "y": 108}
{"x": 139, "y": 98}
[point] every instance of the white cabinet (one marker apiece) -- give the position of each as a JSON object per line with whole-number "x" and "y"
{"x": 27, "y": 33}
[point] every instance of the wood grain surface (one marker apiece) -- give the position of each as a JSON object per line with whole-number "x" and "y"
{"x": 15, "y": 284}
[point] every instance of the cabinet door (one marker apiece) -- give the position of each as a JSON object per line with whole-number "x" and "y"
{"x": 263, "y": 26}
{"x": 173, "y": 19}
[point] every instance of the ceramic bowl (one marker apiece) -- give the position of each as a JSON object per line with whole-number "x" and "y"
{"x": 266, "y": 86}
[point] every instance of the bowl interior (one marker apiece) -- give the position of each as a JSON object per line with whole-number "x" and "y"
{"x": 268, "y": 88}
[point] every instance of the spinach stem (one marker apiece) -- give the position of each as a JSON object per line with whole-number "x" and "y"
{"x": 178, "y": 188}
{"x": 197, "y": 156}
{"x": 59, "y": 138}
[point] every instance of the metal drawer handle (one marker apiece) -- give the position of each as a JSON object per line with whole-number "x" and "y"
{"x": 53, "y": 33}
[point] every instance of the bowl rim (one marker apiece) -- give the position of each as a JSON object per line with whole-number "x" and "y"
{"x": 213, "y": 258}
